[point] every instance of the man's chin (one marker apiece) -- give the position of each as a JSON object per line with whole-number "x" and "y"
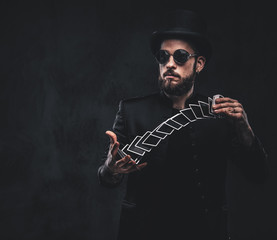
{"x": 172, "y": 91}
{"x": 170, "y": 85}
{"x": 175, "y": 88}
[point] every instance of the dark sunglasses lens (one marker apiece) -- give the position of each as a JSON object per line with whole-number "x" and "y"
{"x": 181, "y": 56}
{"x": 162, "y": 56}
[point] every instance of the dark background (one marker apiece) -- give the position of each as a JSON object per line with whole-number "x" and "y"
{"x": 64, "y": 67}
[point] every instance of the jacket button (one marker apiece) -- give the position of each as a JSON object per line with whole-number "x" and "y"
{"x": 195, "y": 156}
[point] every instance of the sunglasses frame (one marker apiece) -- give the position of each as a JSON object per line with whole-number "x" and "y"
{"x": 176, "y": 61}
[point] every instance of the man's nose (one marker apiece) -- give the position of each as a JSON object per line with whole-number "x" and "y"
{"x": 171, "y": 63}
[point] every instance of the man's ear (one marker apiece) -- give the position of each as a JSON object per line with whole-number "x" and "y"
{"x": 200, "y": 63}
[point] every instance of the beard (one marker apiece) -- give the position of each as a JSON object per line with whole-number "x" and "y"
{"x": 179, "y": 89}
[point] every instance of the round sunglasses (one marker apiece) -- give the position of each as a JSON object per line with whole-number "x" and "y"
{"x": 180, "y": 56}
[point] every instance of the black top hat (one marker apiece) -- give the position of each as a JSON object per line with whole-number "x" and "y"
{"x": 183, "y": 24}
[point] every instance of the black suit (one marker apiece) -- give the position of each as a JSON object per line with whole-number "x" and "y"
{"x": 181, "y": 192}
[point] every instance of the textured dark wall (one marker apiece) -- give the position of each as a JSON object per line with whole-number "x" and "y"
{"x": 65, "y": 66}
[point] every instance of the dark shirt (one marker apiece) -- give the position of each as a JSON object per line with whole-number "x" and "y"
{"x": 181, "y": 192}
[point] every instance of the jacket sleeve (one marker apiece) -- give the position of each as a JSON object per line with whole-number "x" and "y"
{"x": 252, "y": 161}
{"x": 105, "y": 176}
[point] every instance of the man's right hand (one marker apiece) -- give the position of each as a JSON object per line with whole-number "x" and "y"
{"x": 123, "y": 165}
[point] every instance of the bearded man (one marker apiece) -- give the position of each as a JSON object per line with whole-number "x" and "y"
{"x": 171, "y": 149}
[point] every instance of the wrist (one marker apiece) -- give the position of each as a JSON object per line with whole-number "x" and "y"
{"x": 245, "y": 134}
{"x": 109, "y": 170}
{"x": 108, "y": 177}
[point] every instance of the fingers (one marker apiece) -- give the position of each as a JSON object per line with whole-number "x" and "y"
{"x": 225, "y": 99}
{"x": 127, "y": 165}
{"x": 114, "y": 144}
{"x": 124, "y": 165}
{"x": 122, "y": 162}
{"x": 236, "y": 115}
{"x": 229, "y": 107}
{"x": 141, "y": 166}
{"x": 112, "y": 136}
{"x": 132, "y": 167}
{"x": 114, "y": 149}
{"x": 226, "y": 102}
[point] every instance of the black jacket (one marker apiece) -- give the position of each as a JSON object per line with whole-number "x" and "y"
{"x": 186, "y": 172}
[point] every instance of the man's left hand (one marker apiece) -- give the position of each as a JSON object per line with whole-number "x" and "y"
{"x": 233, "y": 110}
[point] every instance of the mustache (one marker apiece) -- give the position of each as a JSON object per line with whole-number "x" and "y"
{"x": 171, "y": 73}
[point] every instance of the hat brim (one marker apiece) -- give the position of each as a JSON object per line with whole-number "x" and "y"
{"x": 200, "y": 41}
